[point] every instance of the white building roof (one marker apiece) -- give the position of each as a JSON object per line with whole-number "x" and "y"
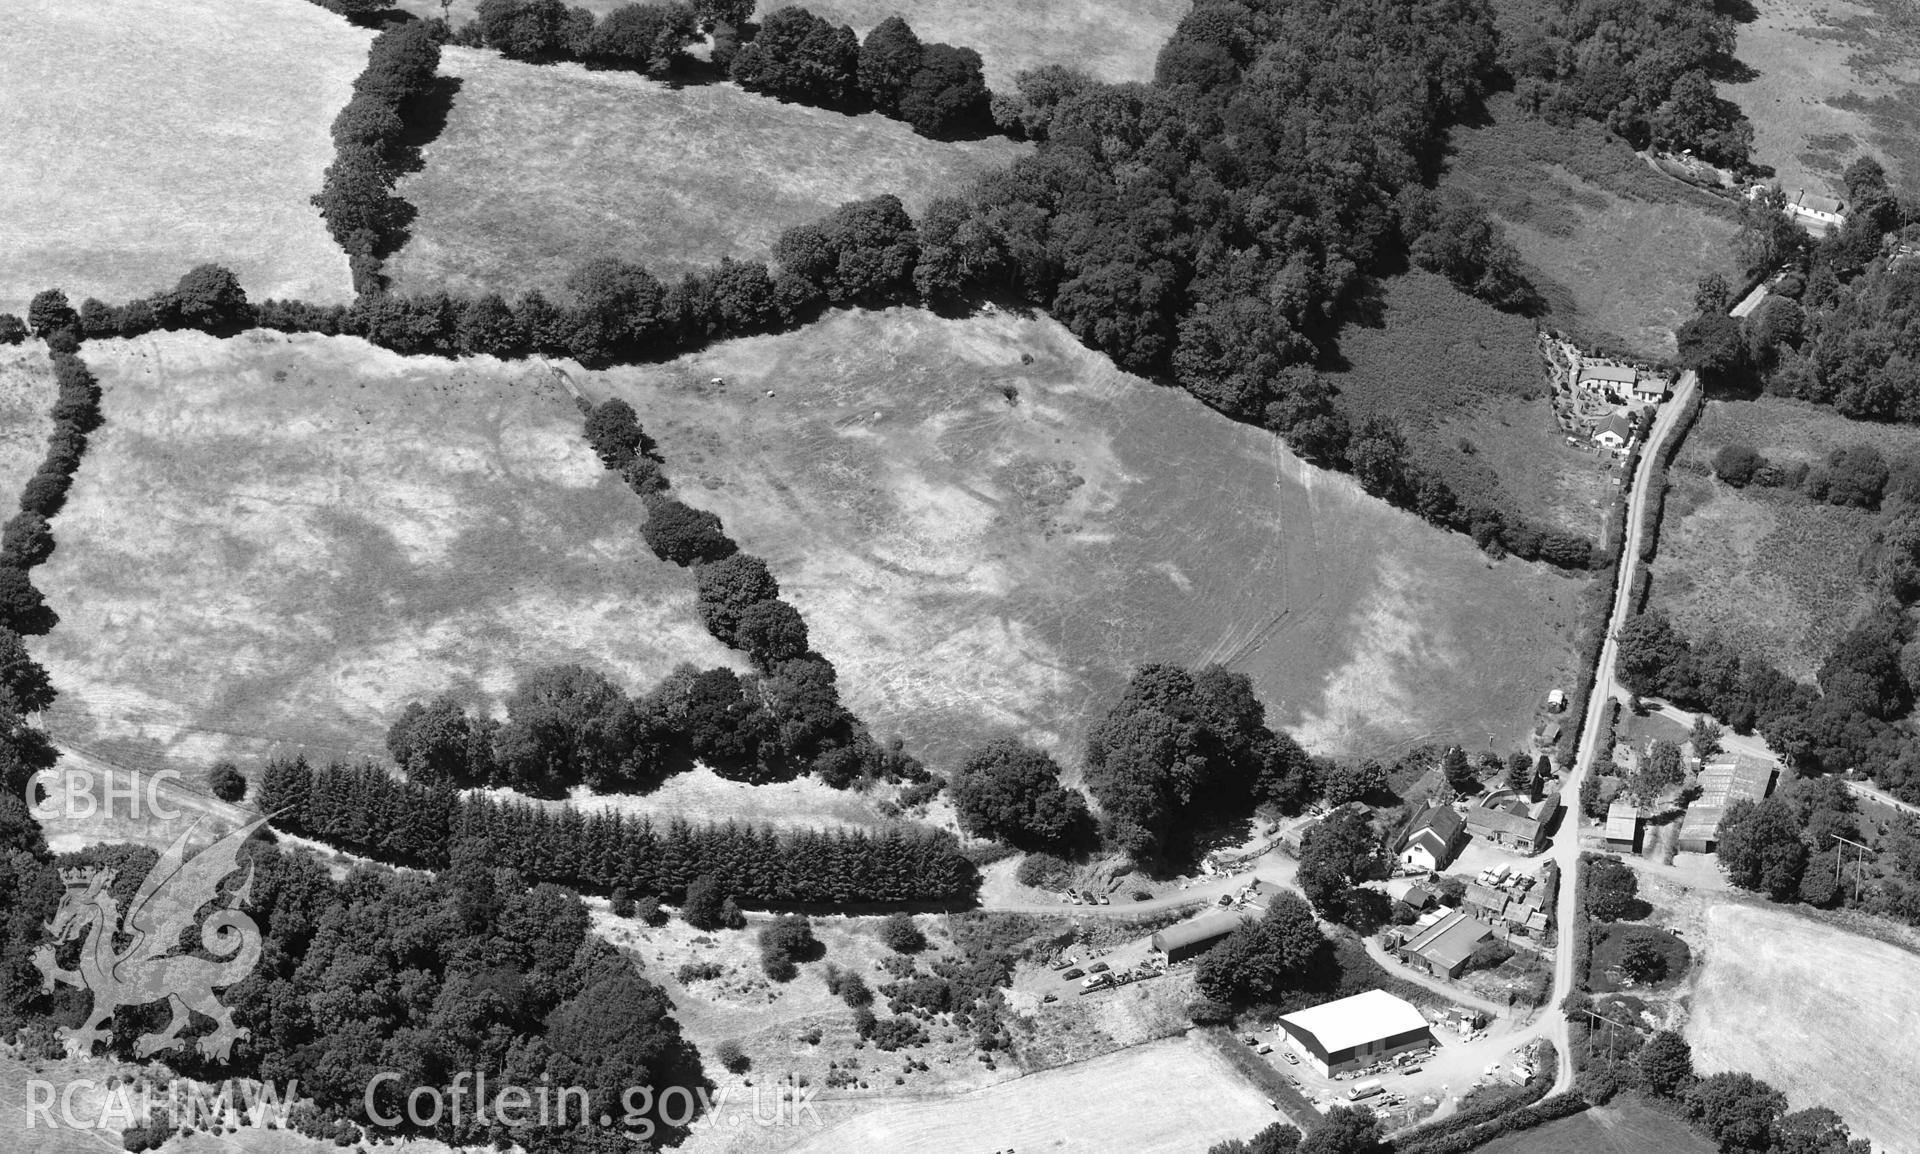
{"x": 1355, "y": 1021}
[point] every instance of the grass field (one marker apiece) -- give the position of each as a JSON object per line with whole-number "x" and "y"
{"x": 540, "y": 169}
{"x": 1114, "y": 40}
{"x": 1832, "y": 80}
{"x": 1827, "y": 1017}
{"x": 1614, "y": 247}
{"x": 144, "y": 137}
{"x": 26, "y": 398}
{"x": 987, "y": 546}
{"x": 1468, "y": 385}
{"x": 1776, "y": 572}
{"x": 1159, "y": 1098}
{"x": 1625, "y": 1126}
{"x": 275, "y": 543}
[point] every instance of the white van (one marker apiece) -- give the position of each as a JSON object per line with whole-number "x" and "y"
{"x": 1366, "y": 1089}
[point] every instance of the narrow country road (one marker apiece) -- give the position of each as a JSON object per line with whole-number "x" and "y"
{"x": 1566, "y": 842}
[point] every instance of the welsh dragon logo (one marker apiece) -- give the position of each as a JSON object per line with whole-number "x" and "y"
{"x": 153, "y": 965}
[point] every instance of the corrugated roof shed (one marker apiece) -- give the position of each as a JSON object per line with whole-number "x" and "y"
{"x": 1448, "y": 942}
{"x": 1355, "y": 1021}
{"x": 1723, "y": 781}
{"x": 1200, "y": 929}
{"x": 1623, "y": 820}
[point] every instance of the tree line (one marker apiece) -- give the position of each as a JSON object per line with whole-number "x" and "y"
{"x": 363, "y": 809}
{"x": 370, "y": 149}
{"x": 1223, "y": 259}
{"x": 27, "y": 538}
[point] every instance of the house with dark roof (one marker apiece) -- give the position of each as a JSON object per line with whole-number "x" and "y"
{"x": 1614, "y": 433}
{"x": 1432, "y": 840}
{"x": 1509, "y": 818}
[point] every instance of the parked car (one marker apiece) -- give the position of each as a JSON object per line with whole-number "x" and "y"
{"x": 1051, "y": 998}
{"x": 1226, "y": 899}
{"x": 1105, "y": 900}
{"x": 1098, "y": 968}
{"x": 1075, "y": 972}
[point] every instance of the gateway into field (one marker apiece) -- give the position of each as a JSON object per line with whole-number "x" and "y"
{"x": 1356, "y": 1032}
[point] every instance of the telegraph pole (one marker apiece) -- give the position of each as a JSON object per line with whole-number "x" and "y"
{"x": 1858, "y": 861}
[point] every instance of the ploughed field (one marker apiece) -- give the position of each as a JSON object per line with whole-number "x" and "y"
{"x": 145, "y": 137}
{"x": 986, "y": 526}
{"x": 540, "y": 168}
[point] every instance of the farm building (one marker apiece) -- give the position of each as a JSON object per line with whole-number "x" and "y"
{"x": 1523, "y": 904}
{"x": 1509, "y": 818}
{"x": 1623, "y": 825}
{"x": 1421, "y": 895}
{"x": 1355, "y": 1032}
{"x": 1606, "y": 378}
{"x": 1442, "y": 949}
{"x": 1650, "y": 387}
{"x": 1193, "y": 938}
{"x": 1614, "y": 433}
{"x": 1432, "y": 840}
{"x": 1723, "y": 781}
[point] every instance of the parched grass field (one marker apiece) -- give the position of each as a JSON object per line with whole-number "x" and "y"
{"x": 1114, "y": 40}
{"x": 275, "y": 542}
{"x": 1626, "y": 1125}
{"x": 1774, "y": 571}
{"x": 541, "y": 168}
{"x": 1833, "y": 80}
{"x": 144, "y": 137}
{"x": 26, "y": 400}
{"x": 1614, "y": 247}
{"x": 1159, "y": 1098}
{"x": 1828, "y": 1017}
{"x": 1468, "y": 385}
{"x": 986, "y": 526}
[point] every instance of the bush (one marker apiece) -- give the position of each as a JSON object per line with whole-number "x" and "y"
{"x": 785, "y": 943}
{"x": 698, "y": 972}
{"x": 1736, "y": 464}
{"x": 901, "y": 936}
{"x": 1044, "y": 871}
{"x": 622, "y": 902}
{"x": 898, "y": 1033}
{"x": 732, "y": 1056}
{"x": 227, "y": 782}
{"x": 13, "y": 330}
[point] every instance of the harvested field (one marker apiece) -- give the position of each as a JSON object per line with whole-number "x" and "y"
{"x": 1114, "y": 40}
{"x": 145, "y": 137}
{"x": 1174, "y": 1095}
{"x": 1613, "y": 247}
{"x": 1826, "y": 1016}
{"x": 540, "y": 168}
{"x": 1777, "y": 573}
{"x": 986, "y": 546}
{"x": 1627, "y": 1125}
{"x": 26, "y": 401}
{"x": 1833, "y": 80}
{"x": 1468, "y": 385}
{"x": 275, "y": 543}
